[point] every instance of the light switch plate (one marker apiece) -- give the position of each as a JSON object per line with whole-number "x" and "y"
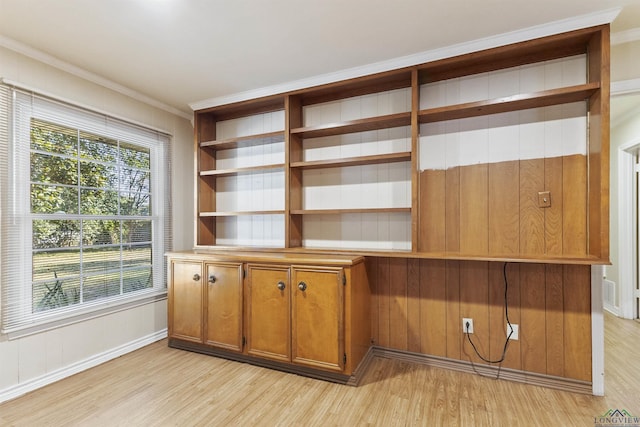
{"x": 544, "y": 199}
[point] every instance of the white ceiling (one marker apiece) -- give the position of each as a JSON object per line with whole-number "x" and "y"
{"x": 182, "y": 52}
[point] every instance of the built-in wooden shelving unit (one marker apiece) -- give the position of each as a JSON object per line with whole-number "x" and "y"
{"x": 390, "y": 163}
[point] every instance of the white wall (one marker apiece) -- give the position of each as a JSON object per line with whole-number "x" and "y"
{"x": 624, "y": 66}
{"x": 29, "y": 362}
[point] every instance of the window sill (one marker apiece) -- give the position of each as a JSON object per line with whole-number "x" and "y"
{"x": 81, "y": 315}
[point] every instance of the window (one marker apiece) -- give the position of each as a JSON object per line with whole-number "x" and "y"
{"x": 87, "y": 222}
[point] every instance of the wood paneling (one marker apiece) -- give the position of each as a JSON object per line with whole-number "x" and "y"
{"x": 398, "y": 321}
{"x": 474, "y": 209}
{"x": 577, "y": 322}
{"x": 504, "y": 202}
{"x": 554, "y": 320}
{"x": 452, "y": 209}
{"x": 453, "y": 321}
{"x": 531, "y": 216}
{"x": 495, "y": 209}
{"x": 474, "y": 304}
{"x": 574, "y": 177}
{"x": 553, "y": 214}
{"x": 414, "y": 309}
{"x": 532, "y": 318}
{"x": 433, "y": 229}
{"x": 433, "y": 307}
{"x": 384, "y": 303}
{"x": 550, "y": 303}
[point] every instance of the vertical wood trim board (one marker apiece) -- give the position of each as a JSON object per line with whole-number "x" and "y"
{"x": 418, "y": 306}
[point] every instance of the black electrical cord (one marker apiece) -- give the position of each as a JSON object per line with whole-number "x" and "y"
{"x": 506, "y": 315}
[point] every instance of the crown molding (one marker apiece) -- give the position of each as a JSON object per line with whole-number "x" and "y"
{"x": 625, "y": 87}
{"x": 626, "y": 36}
{"x": 52, "y": 61}
{"x": 555, "y": 27}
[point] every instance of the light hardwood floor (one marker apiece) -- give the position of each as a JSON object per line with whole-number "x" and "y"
{"x": 159, "y": 386}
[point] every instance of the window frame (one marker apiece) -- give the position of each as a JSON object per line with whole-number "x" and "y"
{"x": 18, "y": 315}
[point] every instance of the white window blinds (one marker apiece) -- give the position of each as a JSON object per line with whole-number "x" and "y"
{"x": 85, "y": 203}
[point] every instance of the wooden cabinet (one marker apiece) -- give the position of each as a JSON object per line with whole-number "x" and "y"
{"x": 205, "y": 303}
{"x": 299, "y": 320}
{"x": 185, "y": 300}
{"x": 308, "y": 314}
{"x": 317, "y": 314}
{"x": 223, "y": 306}
{"x": 269, "y": 312}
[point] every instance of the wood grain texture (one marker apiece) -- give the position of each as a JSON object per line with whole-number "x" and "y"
{"x": 157, "y": 385}
{"x": 223, "y": 311}
{"x": 474, "y": 304}
{"x": 452, "y": 209}
{"x": 532, "y": 318}
{"x": 574, "y": 227}
{"x": 384, "y": 303}
{"x": 371, "y": 265}
{"x": 494, "y": 209}
{"x": 293, "y": 178}
{"x": 358, "y": 315}
{"x": 510, "y": 103}
{"x": 513, "y": 357}
{"x": 531, "y": 217}
{"x": 454, "y": 325}
{"x": 398, "y": 324}
{"x": 320, "y": 303}
{"x": 577, "y": 322}
{"x": 433, "y": 307}
{"x": 554, "y": 319}
{"x": 415, "y": 163}
{"x": 497, "y": 319}
{"x": 504, "y": 208}
{"x": 599, "y": 51}
{"x": 553, "y": 223}
{"x": 474, "y": 209}
{"x": 414, "y": 308}
{"x": 268, "y": 323}
{"x": 433, "y": 211}
{"x": 451, "y": 290}
{"x": 186, "y": 296}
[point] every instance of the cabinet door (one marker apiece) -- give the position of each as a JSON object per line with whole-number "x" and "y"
{"x": 185, "y": 301}
{"x": 223, "y": 305}
{"x": 268, "y": 312}
{"x": 318, "y": 317}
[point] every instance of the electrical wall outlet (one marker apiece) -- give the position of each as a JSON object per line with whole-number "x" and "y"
{"x": 515, "y": 335}
{"x": 465, "y": 321}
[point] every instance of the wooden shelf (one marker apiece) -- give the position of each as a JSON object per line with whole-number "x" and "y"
{"x": 351, "y": 126}
{"x": 348, "y": 211}
{"x": 240, "y": 213}
{"x": 509, "y": 103}
{"x": 238, "y": 171}
{"x": 245, "y": 141}
{"x": 355, "y": 161}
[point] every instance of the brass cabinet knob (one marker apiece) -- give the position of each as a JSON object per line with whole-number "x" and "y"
{"x": 302, "y": 286}
{"x": 281, "y": 285}
{"x": 196, "y": 277}
{"x": 212, "y": 279}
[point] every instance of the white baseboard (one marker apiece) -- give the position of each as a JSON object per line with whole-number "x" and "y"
{"x": 82, "y": 365}
{"x": 613, "y": 309}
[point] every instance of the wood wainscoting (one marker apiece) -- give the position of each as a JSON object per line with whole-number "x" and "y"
{"x": 418, "y": 306}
